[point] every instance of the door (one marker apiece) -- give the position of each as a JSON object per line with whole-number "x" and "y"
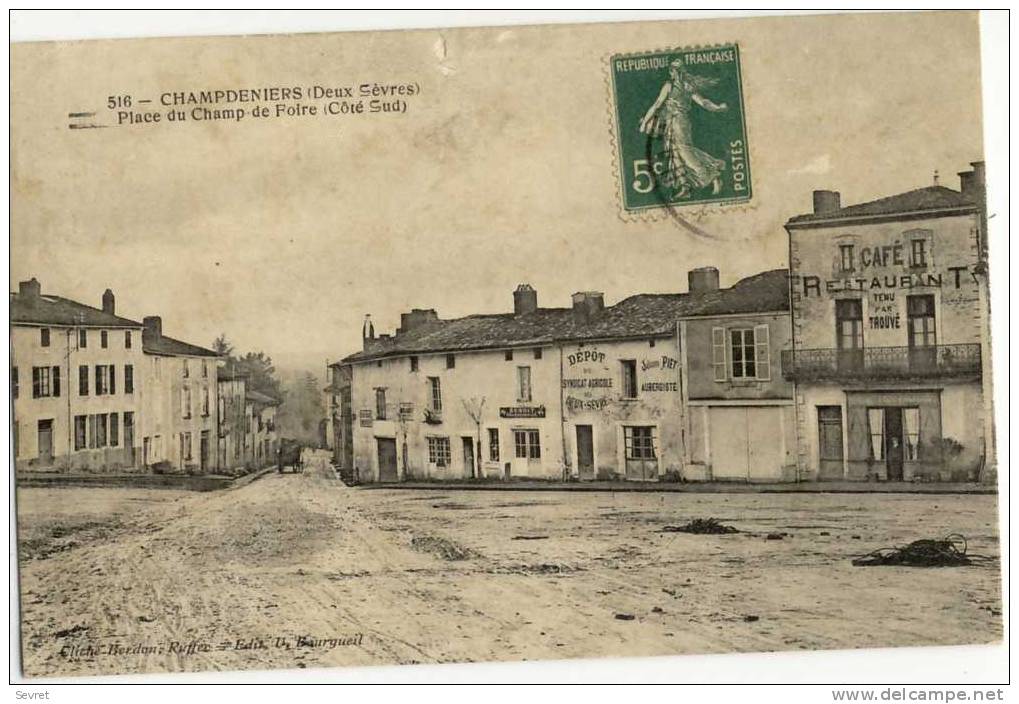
{"x": 894, "y": 451}
{"x": 46, "y": 442}
{"x": 387, "y": 459}
{"x": 203, "y": 451}
{"x": 468, "y": 445}
{"x": 585, "y": 451}
{"x": 849, "y": 334}
{"x": 729, "y": 438}
{"x": 640, "y": 453}
{"x": 829, "y": 441}
{"x": 923, "y": 351}
{"x": 765, "y": 444}
{"x": 129, "y": 437}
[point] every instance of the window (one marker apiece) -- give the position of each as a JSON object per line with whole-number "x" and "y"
{"x": 104, "y": 339}
{"x": 14, "y": 382}
{"x": 185, "y": 368}
{"x": 205, "y": 369}
{"x": 493, "y": 444}
{"x": 718, "y": 353}
{"x": 537, "y": 353}
{"x": 128, "y": 378}
{"x": 413, "y": 363}
{"x": 45, "y": 382}
{"x": 876, "y": 421}
{"x": 185, "y": 446}
{"x": 438, "y": 451}
{"x": 509, "y": 355}
{"x": 450, "y": 361}
{"x": 849, "y": 333}
{"x": 435, "y": 389}
{"x": 527, "y": 444}
{"x": 846, "y": 253}
{"x": 205, "y": 401}
{"x": 114, "y": 430}
{"x": 629, "y": 367}
{"x": 911, "y": 431}
{"x": 185, "y": 402}
{"x": 918, "y": 260}
{"x": 113, "y": 379}
{"x": 44, "y": 337}
{"x": 744, "y": 361}
{"x": 523, "y": 383}
{"x": 640, "y": 442}
{"x": 127, "y": 339}
{"x": 92, "y": 432}
{"x": 157, "y": 368}
{"x": 101, "y": 427}
{"x": 920, "y": 312}
{"x": 83, "y": 380}
{"x": 83, "y": 339}
{"x": 380, "y": 404}
{"x": 79, "y": 432}
{"x": 102, "y": 379}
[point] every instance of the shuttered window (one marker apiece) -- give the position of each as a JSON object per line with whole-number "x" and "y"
{"x": 718, "y": 353}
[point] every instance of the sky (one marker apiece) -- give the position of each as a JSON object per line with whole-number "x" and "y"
{"x": 283, "y": 233}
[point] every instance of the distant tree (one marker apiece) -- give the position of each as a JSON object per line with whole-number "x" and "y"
{"x": 222, "y": 346}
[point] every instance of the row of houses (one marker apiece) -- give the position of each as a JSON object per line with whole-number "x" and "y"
{"x": 96, "y": 392}
{"x": 867, "y": 358}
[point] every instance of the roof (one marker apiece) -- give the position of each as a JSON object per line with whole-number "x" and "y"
{"x": 643, "y": 315}
{"x": 46, "y": 309}
{"x": 164, "y": 345}
{"x": 260, "y": 399}
{"x": 930, "y": 198}
{"x": 231, "y": 374}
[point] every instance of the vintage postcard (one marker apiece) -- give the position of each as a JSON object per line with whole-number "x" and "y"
{"x": 502, "y": 344}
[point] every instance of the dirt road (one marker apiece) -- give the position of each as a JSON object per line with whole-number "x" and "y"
{"x": 300, "y": 571}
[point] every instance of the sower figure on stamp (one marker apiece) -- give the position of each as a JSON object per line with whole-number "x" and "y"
{"x": 669, "y": 117}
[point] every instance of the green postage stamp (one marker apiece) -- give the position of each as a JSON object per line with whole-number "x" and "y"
{"x": 680, "y": 128}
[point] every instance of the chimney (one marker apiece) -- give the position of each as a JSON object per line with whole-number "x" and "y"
{"x": 30, "y": 289}
{"x": 525, "y": 300}
{"x": 153, "y": 327}
{"x": 367, "y": 331}
{"x": 109, "y": 302}
{"x": 703, "y": 280}
{"x": 416, "y": 318}
{"x": 826, "y": 202}
{"x": 587, "y": 304}
{"x": 971, "y": 183}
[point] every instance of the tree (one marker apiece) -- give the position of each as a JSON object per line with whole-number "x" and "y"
{"x": 222, "y": 346}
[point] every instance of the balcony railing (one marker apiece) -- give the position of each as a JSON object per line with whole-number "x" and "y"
{"x": 876, "y": 363}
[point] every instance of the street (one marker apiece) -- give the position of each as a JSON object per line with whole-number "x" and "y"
{"x": 302, "y": 571}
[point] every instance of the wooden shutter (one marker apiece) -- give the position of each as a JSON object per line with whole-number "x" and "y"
{"x": 36, "y": 381}
{"x": 762, "y": 352}
{"x": 55, "y": 388}
{"x": 718, "y": 353}
{"x": 113, "y": 378}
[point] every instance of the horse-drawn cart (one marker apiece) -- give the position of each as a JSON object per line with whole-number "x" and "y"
{"x": 288, "y": 456}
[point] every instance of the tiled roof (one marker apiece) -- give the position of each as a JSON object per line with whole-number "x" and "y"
{"x": 261, "y": 399}
{"x": 46, "y": 309}
{"x": 928, "y": 198}
{"x": 164, "y": 345}
{"x": 643, "y": 315}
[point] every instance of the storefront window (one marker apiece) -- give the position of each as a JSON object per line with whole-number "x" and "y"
{"x": 876, "y": 420}
{"x": 911, "y": 429}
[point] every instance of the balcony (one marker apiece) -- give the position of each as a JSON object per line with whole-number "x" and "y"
{"x": 883, "y": 363}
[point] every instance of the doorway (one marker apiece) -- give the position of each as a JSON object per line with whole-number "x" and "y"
{"x": 894, "y": 450}
{"x": 387, "y": 459}
{"x": 468, "y": 445}
{"x": 585, "y": 451}
{"x": 46, "y": 442}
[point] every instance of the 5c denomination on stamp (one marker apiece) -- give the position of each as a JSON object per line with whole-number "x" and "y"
{"x": 680, "y": 128}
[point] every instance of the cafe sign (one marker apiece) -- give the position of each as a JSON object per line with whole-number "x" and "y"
{"x": 522, "y": 412}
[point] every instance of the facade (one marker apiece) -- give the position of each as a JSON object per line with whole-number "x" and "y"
{"x": 586, "y": 392}
{"x": 234, "y": 449}
{"x": 261, "y": 419}
{"x": 890, "y": 338}
{"x": 180, "y": 419}
{"x": 75, "y": 383}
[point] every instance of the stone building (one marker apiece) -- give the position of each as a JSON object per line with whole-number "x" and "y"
{"x": 585, "y": 392}
{"x": 890, "y": 338}
{"x": 75, "y": 383}
{"x": 180, "y": 418}
{"x": 234, "y": 451}
{"x": 262, "y": 437}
